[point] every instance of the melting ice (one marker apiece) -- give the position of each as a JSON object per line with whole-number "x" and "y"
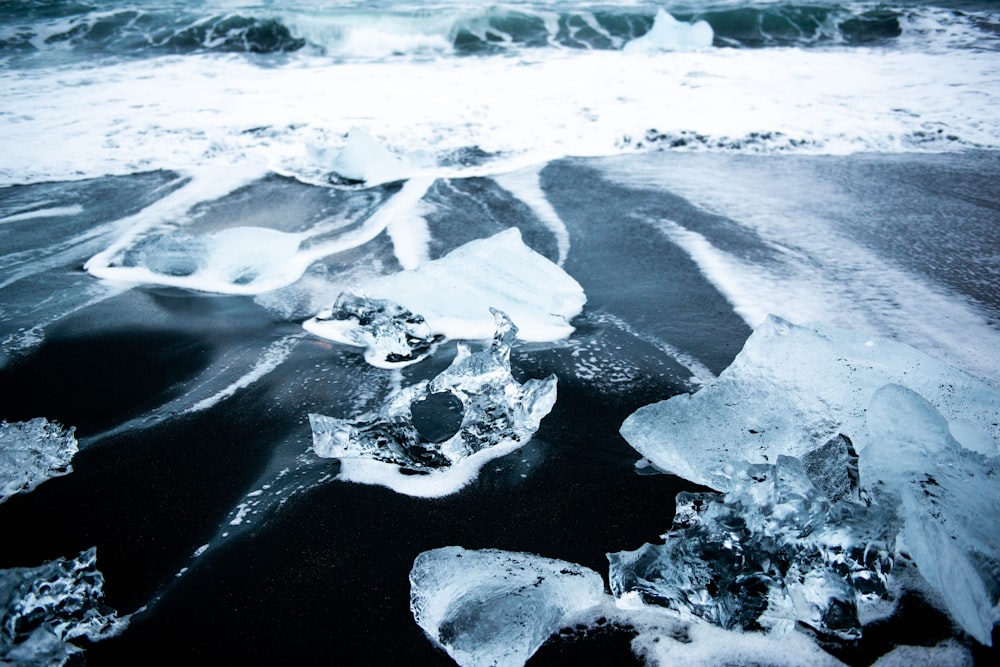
{"x": 43, "y": 608}
{"x": 500, "y": 415}
{"x": 500, "y": 271}
{"x": 495, "y": 608}
{"x": 32, "y": 452}
{"x": 926, "y": 435}
{"x": 773, "y": 551}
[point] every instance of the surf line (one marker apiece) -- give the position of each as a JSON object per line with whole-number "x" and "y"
{"x": 526, "y": 185}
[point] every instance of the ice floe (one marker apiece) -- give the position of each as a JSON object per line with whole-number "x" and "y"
{"x": 43, "y": 608}
{"x": 452, "y": 293}
{"x": 32, "y": 452}
{"x": 499, "y": 416}
{"x": 496, "y": 608}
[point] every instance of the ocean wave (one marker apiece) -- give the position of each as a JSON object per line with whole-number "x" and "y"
{"x": 361, "y": 32}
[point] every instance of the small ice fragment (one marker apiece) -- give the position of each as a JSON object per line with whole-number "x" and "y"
{"x": 32, "y": 452}
{"x": 496, "y": 608}
{"x": 669, "y": 34}
{"x": 363, "y": 160}
{"x": 392, "y": 336}
{"x": 772, "y": 552}
{"x": 500, "y": 415}
{"x": 43, "y": 608}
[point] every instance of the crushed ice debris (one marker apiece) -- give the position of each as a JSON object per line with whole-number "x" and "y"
{"x": 392, "y": 336}
{"x": 669, "y": 34}
{"x": 772, "y": 552}
{"x": 499, "y": 416}
{"x": 32, "y": 452}
{"x": 43, "y": 608}
{"x": 496, "y": 608}
{"x": 450, "y": 292}
{"x": 926, "y": 437}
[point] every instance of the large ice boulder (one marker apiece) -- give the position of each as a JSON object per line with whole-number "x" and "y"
{"x": 32, "y": 452}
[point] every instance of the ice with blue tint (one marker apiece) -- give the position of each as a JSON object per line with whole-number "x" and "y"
{"x": 499, "y": 271}
{"x": 772, "y": 552}
{"x": 392, "y": 336}
{"x": 499, "y": 416}
{"x": 363, "y": 160}
{"x": 43, "y": 608}
{"x": 790, "y": 390}
{"x": 926, "y": 435}
{"x": 950, "y": 503}
{"x": 32, "y": 452}
{"x": 492, "y": 608}
{"x": 669, "y": 34}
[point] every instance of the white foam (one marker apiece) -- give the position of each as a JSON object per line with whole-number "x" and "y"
{"x": 222, "y": 109}
{"x": 816, "y": 272}
{"x": 525, "y": 184}
{"x": 435, "y": 484}
{"x": 454, "y": 293}
{"x": 54, "y": 212}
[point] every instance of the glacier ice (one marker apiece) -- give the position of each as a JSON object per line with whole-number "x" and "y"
{"x": 790, "y": 390}
{"x": 496, "y": 608}
{"x": 926, "y": 437}
{"x": 392, "y": 336}
{"x": 669, "y": 34}
{"x": 500, "y": 271}
{"x": 950, "y": 503}
{"x": 363, "y": 160}
{"x": 43, "y": 608}
{"x": 32, "y": 452}
{"x": 500, "y": 415}
{"x": 774, "y": 550}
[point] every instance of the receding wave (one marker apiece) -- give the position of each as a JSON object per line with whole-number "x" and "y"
{"x": 33, "y": 28}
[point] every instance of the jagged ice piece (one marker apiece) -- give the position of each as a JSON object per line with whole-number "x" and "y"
{"x": 772, "y": 551}
{"x": 500, "y": 415}
{"x": 43, "y": 608}
{"x": 32, "y": 452}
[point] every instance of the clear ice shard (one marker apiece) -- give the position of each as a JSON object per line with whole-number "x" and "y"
{"x": 949, "y": 500}
{"x": 791, "y": 389}
{"x": 771, "y": 552}
{"x": 393, "y": 337}
{"x": 496, "y": 608}
{"x": 499, "y": 416}
{"x": 43, "y": 608}
{"x": 32, "y": 452}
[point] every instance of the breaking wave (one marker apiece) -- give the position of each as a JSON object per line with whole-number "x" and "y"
{"x": 358, "y": 32}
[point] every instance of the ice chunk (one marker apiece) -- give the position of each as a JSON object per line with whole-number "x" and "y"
{"x": 500, "y": 415}
{"x": 392, "y": 336}
{"x": 365, "y": 160}
{"x": 500, "y": 271}
{"x": 669, "y": 34}
{"x": 32, "y": 452}
{"x": 771, "y": 552}
{"x": 949, "y": 499}
{"x": 793, "y": 388}
{"x": 495, "y": 608}
{"x": 43, "y": 608}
